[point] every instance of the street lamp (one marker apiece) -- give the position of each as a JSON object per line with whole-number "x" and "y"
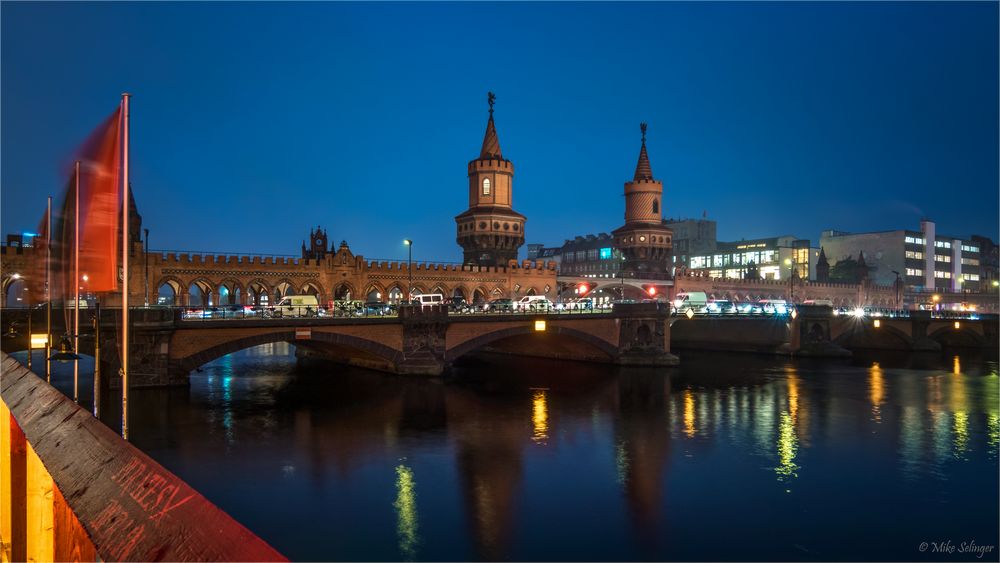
{"x": 409, "y": 268}
{"x": 790, "y": 262}
{"x": 146, "y": 257}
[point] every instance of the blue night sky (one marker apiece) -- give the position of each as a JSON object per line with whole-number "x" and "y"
{"x": 253, "y": 122}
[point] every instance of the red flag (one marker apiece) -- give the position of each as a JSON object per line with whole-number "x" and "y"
{"x": 100, "y": 215}
{"x": 100, "y": 205}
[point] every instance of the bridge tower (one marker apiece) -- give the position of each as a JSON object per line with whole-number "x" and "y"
{"x": 490, "y": 232}
{"x": 643, "y": 240}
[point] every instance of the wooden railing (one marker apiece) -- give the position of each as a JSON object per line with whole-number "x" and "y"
{"x": 73, "y": 490}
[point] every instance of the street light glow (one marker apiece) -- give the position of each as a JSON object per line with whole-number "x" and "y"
{"x": 407, "y": 242}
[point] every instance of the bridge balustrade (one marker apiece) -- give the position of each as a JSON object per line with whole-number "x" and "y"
{"x": 73, "y": 490}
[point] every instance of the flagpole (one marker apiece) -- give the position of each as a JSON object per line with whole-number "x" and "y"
{"x": 125, "y": 233}
{"x": 76, "y": 286}
{"x": 48, "y": 291}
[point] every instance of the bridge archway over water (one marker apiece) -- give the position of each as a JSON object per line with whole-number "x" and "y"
{"x": 334, "y": 345}
{"x": 555, "y": 341}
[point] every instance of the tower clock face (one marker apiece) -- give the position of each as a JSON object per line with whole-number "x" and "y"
{"x": 319, "y": 242}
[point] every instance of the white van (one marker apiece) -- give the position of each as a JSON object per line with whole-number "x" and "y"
{"x": 826, "y": 302}
{"x": 428, "y": 299}
{"x": 296, "y": 306}
{"x": 534, "y": 303}
{"x": 695, "y": 300}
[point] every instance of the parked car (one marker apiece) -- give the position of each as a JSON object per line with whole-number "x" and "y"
{"x": 694, "y": 300}
{"x": 428, "y": 299}
{"x": 581, "y": 304}
{"x": 457, "y": 305}
{"x": 376, "y": 309}
{"x": 534, "y": 303}
{"x": 501, "y": 305}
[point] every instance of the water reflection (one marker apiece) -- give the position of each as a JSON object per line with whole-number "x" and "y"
{"x": 318, "y": 445}
{"x": 406, "y": 512}
{"x": 539, "y": 417}
{"x": 876, "y": 384}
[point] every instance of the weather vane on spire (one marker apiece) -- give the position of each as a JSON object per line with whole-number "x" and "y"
{"x": 642, "y": 126}
{"x": 492, "y": 99}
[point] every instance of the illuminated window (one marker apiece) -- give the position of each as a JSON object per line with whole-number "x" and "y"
{"x": 942, "y": 244}
{"x": 969, "y": 248}
{"x": 942, "y": 257}
{"x": 914, "y": 272}
{"x": 970, "y": 261}
{"x": 914, "y": 255}
{"x": 970, "y": 277}
{"x": 486, "y": 186}
{"x": 942, "y": 275}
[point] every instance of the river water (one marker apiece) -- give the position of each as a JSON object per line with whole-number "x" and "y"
{"x": 727, "y": 457}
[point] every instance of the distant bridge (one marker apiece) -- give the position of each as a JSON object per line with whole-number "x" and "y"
{"x": 166, "y": 347}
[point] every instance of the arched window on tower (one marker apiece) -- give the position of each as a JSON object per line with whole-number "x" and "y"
{"x": 486, "y": 186}
{"x": 656, "y": 206}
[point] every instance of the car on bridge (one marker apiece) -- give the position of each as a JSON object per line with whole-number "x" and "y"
{"x": 534, "y": 303}
{"x": 501, "y": 305}
{"x": 581, "y": 304}
{"x": 721, "y": 307}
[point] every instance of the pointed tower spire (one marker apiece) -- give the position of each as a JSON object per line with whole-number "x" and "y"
{"x": 491, "y": 143}
{"x": 822, "y": 267}
{"x": 643, "y": 171}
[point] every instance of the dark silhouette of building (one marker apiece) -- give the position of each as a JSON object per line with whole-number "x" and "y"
{"x": 318, "y": 245}
{"x": 822, "y": 267}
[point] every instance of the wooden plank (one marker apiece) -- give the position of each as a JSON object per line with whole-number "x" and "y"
{"x": 18, "y": 490}
{"x": 71, "y": 540}
{"x": 40, "y": 539}
{"x": 130, "y": 506}
{"x": 5, "y": 498}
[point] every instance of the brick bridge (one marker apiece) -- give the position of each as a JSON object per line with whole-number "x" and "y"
{"x": 165, "y": 348}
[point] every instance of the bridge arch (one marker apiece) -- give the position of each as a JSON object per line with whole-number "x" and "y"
{"x": 461, "y": 292}
{"x": 192, "y": 362}
{"x": 169, "y": 290}
{"x": 344, "y": 292}
{"x": 312, "y": 287}
{"x": 257, "y": 292}
{"x": 230, "y": 292}
{"x": 963, "y": 337}
{"x": 480, "y": 295}
{"x": 862, "y": 336}
{"x": 375, "y": 293}
{"x": 199, "y": 292}
{"x": 479, "y": 342}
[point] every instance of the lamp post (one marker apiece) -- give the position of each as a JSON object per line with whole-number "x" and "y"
{"x": 897, "y": 286}
{"x": 621, "y": 274}
{"x": 409, "y": 268}
{"x": 146, "y": 257}
{"x": 790, "y": 262}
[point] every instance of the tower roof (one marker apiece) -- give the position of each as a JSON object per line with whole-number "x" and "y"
{"x": 491, "y": 143}
{"x": 643, "y": 171}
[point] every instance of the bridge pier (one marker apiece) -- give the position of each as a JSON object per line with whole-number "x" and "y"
{"x": 810, "y": 334}
{"x": 643, "y": 335}
{"x": 920, "y": 321}
{"x": 424, "y": 330}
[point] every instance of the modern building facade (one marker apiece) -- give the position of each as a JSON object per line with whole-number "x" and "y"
{"x": 692, "y": 237}
{"x": 490, "y": 232}
{"x": 923, "y": 260}
{"x": 773, "y": 258}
